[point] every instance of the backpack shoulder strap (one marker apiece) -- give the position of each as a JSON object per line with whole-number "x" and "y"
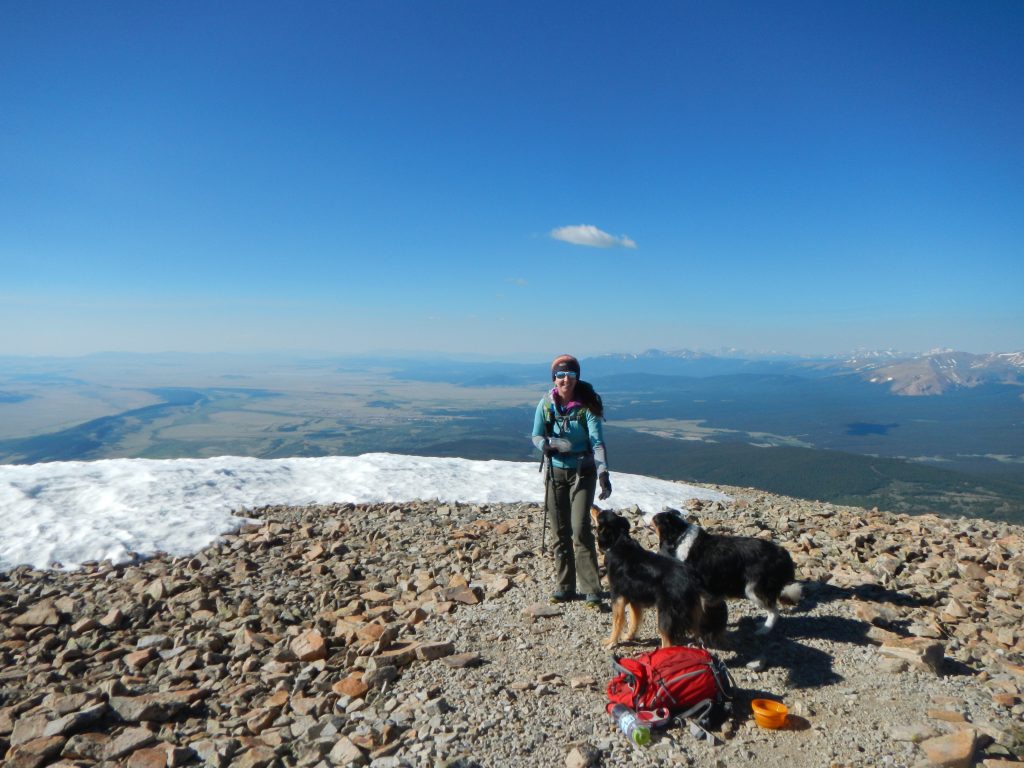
{"x": 581, "y": 417}
{"x": 628, "y": 671}
{"x": 550, "y": 415}
{"x": 634, "y": 674}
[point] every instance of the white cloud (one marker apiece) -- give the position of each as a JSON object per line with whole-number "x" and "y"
{"x": 588, "y": 234}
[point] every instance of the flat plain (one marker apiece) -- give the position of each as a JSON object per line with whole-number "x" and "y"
{"x": 831, "y": 439}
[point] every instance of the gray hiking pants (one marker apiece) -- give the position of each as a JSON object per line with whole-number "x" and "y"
{"x": 567, "y": 504}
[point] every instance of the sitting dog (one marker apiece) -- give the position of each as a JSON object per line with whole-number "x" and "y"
{"x": 639, "y": 578}
{"x": 731, "y": 566}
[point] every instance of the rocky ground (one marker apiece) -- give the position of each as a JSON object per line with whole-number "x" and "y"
{"x": 419, "y": 635}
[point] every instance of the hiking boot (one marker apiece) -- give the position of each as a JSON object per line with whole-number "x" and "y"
{"x": 592, "y": 600}
{"x": 563, "y": 596}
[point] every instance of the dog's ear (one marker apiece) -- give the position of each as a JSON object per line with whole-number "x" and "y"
{"x": 678, "y": 516}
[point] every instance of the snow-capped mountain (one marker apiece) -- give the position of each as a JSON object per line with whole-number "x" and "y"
{"x": 939, "y": 371}
{"x": 930, "y": 373}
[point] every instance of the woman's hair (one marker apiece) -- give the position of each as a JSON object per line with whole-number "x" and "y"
{"x": 591, "y": 400}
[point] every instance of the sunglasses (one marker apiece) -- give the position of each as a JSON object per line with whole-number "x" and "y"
{"x": 565, "y": 374}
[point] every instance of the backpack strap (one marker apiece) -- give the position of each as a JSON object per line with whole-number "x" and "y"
{"x": 619, "y": 669}
{"x": 551, "y": 416}
{"x": 630, "y": 680}
{"x": 693, "y": 718}
{"x": 723, "y": 678}
{"x": 697, "y": 711}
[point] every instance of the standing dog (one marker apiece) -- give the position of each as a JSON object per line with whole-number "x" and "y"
{"x": 731, "y": 566}
{"x": 639, "y": 578}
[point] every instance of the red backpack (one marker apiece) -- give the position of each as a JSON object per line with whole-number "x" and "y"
{"x": 678, "y": 682}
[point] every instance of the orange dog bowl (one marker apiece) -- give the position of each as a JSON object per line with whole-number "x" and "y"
{"x": 769, "y": 714}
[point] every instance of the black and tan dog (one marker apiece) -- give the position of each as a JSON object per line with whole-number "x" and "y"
{"x": 639, "y": 578}
{"x": 731, "y": 566}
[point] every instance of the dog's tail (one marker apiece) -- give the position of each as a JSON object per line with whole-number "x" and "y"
{"x": 791, "y": 593}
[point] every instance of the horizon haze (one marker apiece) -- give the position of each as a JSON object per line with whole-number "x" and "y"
{"x": 940, "y": 432}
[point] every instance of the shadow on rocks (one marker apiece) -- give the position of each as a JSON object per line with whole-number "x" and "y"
{"x": 837, "y": 629}
{"x": 955, "y": 668}
{"x": 851, "y": 631}
{"x": 816, "y": 593}
{"x": 806, "y": 667}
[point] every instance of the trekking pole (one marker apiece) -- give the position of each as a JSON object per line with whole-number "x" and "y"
{"x": 545, "y": 468}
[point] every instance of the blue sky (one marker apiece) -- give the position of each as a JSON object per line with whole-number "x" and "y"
{"x": 350, "y": 177}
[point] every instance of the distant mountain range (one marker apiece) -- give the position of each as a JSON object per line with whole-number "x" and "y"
{"x": 942, "y": 370}
{"x": 941, "y": 431}
{"x": 931, "y": 373}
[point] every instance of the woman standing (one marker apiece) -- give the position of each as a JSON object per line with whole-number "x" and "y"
{"x": 567, "y": 429}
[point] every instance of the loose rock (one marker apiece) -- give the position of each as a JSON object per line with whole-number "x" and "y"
{"x": 420, "y": 634}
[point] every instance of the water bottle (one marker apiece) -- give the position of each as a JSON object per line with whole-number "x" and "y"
{"x": 630, "y": 724}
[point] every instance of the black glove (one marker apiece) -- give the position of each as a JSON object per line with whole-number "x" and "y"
{"x": 606, "y": 486}
{"x": 548, "y": 449}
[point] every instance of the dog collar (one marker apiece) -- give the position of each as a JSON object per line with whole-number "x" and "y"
{"x": 683, "y": 550}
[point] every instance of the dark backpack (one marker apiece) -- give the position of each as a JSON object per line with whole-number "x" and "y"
{"x": 677, "y": 683}
{"x": 588, "y": 395}
{"x": 551, "y": 417}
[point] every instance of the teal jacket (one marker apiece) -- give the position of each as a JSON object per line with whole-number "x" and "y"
{"x": 577, "y": 425}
